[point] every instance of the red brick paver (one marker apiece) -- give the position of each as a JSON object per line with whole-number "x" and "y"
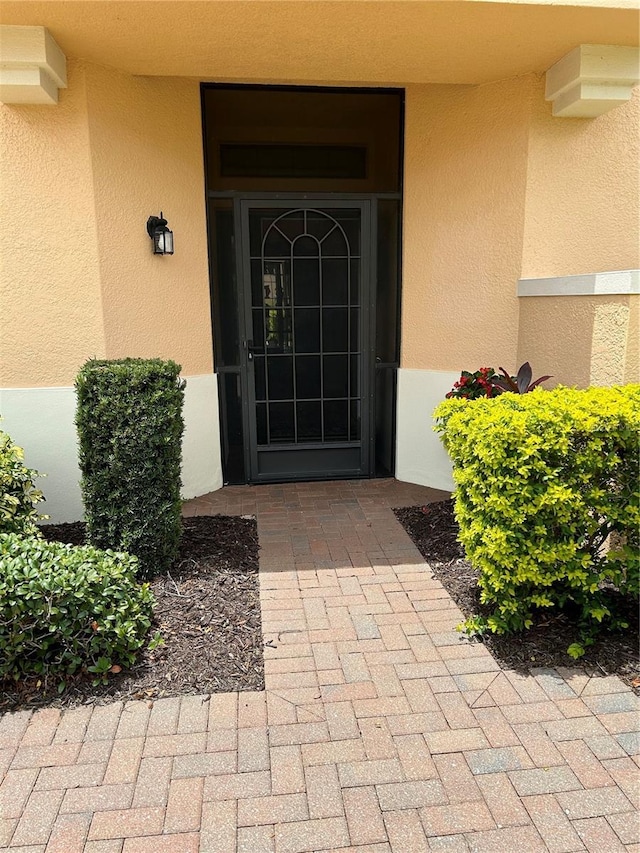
{"x": 381, "y": 730}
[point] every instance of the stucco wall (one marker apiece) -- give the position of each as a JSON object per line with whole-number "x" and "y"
{"x": 632, "y": 359}
{"x": 581, "y": 340}
{"x": 496, "y": 189}
{"x": 78, "y": 182}
{"x": 146, "y": 149}
{"x": 465, "y": 176}
{"x": 582, "y": 204}
{"x": 50, "y": 301}
{"x": 582, "y": 216}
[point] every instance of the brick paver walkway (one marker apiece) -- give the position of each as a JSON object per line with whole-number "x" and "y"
{"x": 380, "y": 729}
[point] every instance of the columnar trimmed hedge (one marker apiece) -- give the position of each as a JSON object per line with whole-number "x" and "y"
{"x": 130, "y": 427}
{"x": 542, "y": 480}
{"x": 64, "y": 609}
{"x": 18, "y": 494}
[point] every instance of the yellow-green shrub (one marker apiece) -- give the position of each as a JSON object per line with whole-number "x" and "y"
{"x": 542, "y": 480}
{"x": 18, "y": 494}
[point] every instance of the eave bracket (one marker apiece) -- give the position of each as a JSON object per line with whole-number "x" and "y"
{"x": 32, "y": 66}
{"x": 592, "y": 79}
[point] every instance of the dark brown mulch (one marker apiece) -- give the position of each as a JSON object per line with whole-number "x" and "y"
{"x": 434, "y": 531}
{"x": 207, "y": 611}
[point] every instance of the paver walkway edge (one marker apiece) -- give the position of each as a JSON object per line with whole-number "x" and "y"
{"x": 381, "y": 730}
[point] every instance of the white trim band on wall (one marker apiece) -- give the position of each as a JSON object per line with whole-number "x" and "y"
{"x": 41, "y": 420}
{"x": 420, "y": 455}
{"x": 616, "y": 283}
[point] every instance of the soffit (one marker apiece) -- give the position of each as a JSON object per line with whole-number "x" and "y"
{"x": 344, "y": 41}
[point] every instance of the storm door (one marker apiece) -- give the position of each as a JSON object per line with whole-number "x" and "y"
{"x": 306, "y": 269}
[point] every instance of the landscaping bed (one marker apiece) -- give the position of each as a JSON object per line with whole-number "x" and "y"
{"x": 207, "y": 612}
{"x": 434, "y": 531}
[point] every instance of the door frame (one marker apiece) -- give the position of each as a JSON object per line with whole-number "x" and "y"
{"x": 367, "y": 204}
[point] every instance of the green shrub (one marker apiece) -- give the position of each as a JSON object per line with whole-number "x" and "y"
{"x": 130, "y": 426}
{"x": 18, "y": 495}
{"x": 542, "y": 480}
{"x": 64, "y": 609}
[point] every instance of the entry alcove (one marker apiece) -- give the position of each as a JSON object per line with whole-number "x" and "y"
{"x": 304, "y": 202}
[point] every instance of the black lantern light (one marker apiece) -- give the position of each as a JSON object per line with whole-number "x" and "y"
{"x": 161, "y": 235}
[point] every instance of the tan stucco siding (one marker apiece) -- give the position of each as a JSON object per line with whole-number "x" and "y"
{"x": 632, "y": 357}
{"x": 50, "y": 302}
{"x": 582, "y": 216}
{"x": 495, "y": 190}
{"x": 78, "y": 182}
{"x": 581, "y": 340}
{"x": 583, "y": 199}
{"x": 465, "y": 175}
{"x": 146, "y": 147}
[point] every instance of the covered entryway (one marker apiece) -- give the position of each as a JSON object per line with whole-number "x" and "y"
{"x": 304, "y": 215}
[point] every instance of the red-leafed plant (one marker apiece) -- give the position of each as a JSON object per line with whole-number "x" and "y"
{"x": 470, "y": 386}
{"x": 519, "y": 384}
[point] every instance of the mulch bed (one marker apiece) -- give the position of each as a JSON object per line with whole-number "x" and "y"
{"x": 434, "y": 531}
{"x": 207, "y": 611}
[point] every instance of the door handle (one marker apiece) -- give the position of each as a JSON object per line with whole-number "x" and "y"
{"x": 250, "y": 350}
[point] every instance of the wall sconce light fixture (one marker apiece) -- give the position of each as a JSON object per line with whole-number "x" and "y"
{"x": 161, "y": 235}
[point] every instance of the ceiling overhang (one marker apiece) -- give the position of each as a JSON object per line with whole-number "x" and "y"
{"x": 377, "y": 42}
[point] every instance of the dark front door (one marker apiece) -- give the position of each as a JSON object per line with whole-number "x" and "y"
{"x": 306, "y": 271}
